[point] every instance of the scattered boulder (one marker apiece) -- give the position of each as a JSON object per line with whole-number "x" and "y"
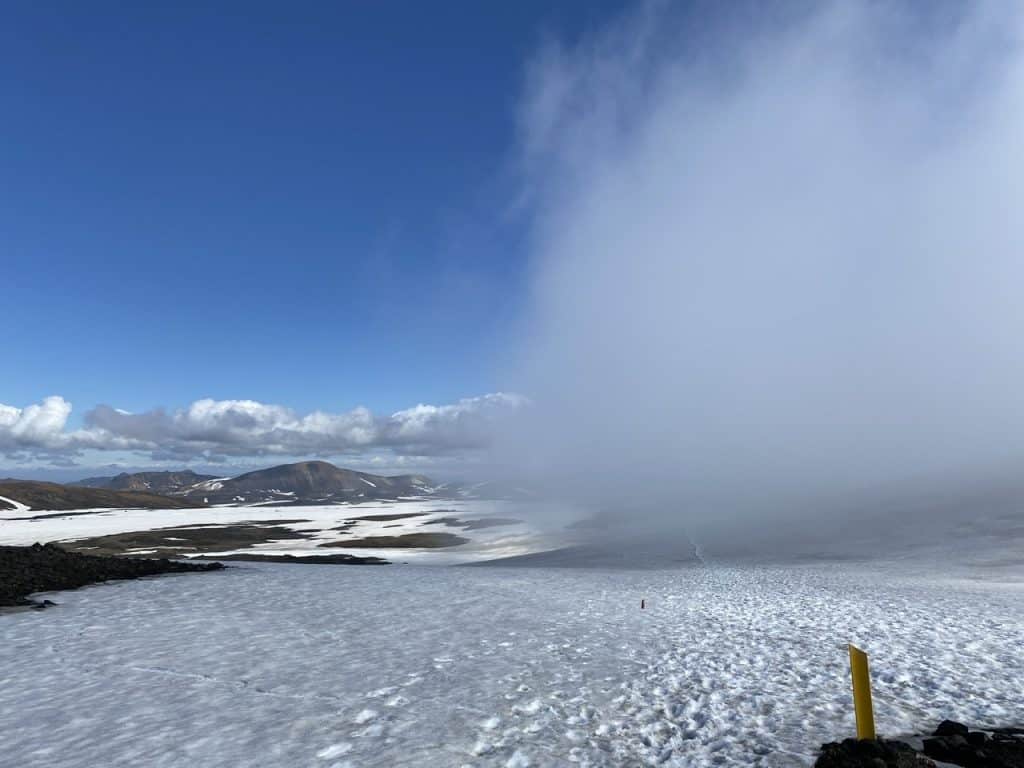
{"x": 955, "y": 743}
{"x": 951, "y": 728}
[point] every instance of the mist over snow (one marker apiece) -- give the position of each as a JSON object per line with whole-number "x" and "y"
{"x": 778, "y": 269}
{"x": 775, "y": 273}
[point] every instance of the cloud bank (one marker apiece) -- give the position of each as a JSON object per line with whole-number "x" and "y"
{"x": 212, "y": 430}
{"x": 777, "y": 256}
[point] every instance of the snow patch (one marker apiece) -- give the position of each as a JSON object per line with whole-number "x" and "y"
{"x": 18, "y": 506}
{"x": 335, "y": 750}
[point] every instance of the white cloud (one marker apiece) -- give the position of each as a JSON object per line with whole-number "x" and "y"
{"x": 35, "y": 426}
{"x": 214, "y": 429}
{"x": 468, "y": 422}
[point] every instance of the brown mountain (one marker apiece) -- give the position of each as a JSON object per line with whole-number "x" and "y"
{"x": 146, "y": 482}
{"x": 310, "y": 481}
{"x": 38, "y": 495}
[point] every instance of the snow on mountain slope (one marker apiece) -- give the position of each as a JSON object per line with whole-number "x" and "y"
{"x": 16, "y": 506}
{"x": 156, "y": 482}
{"x": 214, "y": 484}
{"x": 271, "y": 665}
{"x": 308, "y": 482}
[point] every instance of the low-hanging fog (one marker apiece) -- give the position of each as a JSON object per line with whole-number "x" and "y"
{"x": 778, "y": 262}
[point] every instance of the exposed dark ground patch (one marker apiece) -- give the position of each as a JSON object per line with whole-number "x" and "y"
{"x": 398, "y": 516}
{"x": 339, "y": 559}
{"x": 405, "y": 541}
{"x": 449, "y": 521}
{"x": 474, "y": 525}
{"x": 490, "y": 522}
{"x": 61, "y": 514}
{"x": 48, "y": 568}
{"x": 185, "y": 540}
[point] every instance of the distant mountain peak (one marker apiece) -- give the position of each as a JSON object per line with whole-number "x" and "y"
{"x": 163, "y": 483}
{"x": 313, "y": 481}
{"x": 308, "y": 482}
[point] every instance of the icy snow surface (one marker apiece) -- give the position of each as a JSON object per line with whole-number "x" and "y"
{"x": 293, "y": 665}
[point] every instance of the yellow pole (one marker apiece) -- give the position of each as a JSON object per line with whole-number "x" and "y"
{"x": 862, "y": 693}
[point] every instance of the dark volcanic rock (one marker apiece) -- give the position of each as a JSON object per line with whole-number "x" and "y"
{"x": 951, "y": 728}
{"x": 868, "y": 753}
{"x": 952, "y": 743}
{"x": 955, "y": 743}
{"x": 39, "y": 568}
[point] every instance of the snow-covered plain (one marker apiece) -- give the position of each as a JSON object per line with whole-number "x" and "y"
{"x": 293, "y": 665}
{"x": 320, "y": 523}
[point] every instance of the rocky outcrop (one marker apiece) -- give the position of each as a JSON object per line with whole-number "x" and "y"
{"x": 47, "y": 568}
{"x": 952, "y": 743}
{"x": 870, "y": 753}
{"x": 955, "y": 743}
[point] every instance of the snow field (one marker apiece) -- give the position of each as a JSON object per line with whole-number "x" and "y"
{"x": 320, "y": 523}
{"x": 292, "y": 665}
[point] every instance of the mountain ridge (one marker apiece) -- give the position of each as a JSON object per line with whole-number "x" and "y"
{"x": 162, "y": 483}
{"x": 45, "y": 496}
{"x": 309, "y": 482}
{"x": 298, "y": 483}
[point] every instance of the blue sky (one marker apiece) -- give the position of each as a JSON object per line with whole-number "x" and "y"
{"x": 244, "y": 233}
{"x": 299, "y": 203}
